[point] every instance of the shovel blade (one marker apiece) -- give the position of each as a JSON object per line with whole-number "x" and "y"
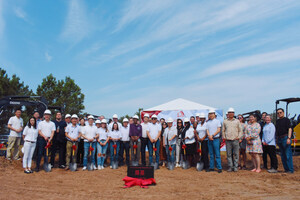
{"x": 171, "y": 166}
{"x": 90, "y": 167}
{"x": 73, "y": 167}
{"x": 185, "y": 165}
{"x": 114, "y": 165}
{"x": 155, "y": 165}
{"x": 47, "y": 167}
{"x": 134, "y": 163}
{"x": 200, "y": 166}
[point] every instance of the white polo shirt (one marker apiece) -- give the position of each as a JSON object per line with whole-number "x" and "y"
{"x": 90, "y": 132}
{"x": 154, "y": 129}
{"x": 125, "y": 133}
{"x": 103, "y": 134}
{"x": 169, "y": 133}
{"x": 46, "y": 128}
{"x": 212, "y": 126}
{"x": 201, "y": 130}
{"x": 16, "y": 123}
{"x": 189, "y": 134}
{"x": 115, "y": 134}
{"x": 30, "y": 134}
{"x": 73, "y": 131}
{"x": 144, "y": 129}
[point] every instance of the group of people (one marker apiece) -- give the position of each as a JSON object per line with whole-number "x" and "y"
{"x": 191, "y": 140}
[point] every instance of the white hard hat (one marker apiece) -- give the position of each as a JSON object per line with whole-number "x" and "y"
{"x": 90, "y": 117}
{"x": 47, "y": 112}
{"x": 74, "y": 116}
{"x": 202, "y": 115}
{"x": 146, "y": 115}
{"x": 230, "y": 110}
{"x": 115, "y": 116}
{"x": 186, "y": 120}
{"x": 170, "y": 120}
{"x": 67, "y": 116}
{"x": 154, "y": 116}
{"x": 125, "y": 120}
{"x": 103, "y": 121}
{"x": 197, "y": 114}
{"x": 97, "y": 121}
{"x": 135, "y": 117}
{"x": 211, "y": 111}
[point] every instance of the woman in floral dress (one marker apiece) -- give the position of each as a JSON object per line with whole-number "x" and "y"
{"x": 254, "y": 145}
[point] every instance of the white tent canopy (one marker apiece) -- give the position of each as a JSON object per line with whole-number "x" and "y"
{"x": 180, "y": 104}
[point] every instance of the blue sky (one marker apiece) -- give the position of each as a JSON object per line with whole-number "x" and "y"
{"x": 130, "y": 54}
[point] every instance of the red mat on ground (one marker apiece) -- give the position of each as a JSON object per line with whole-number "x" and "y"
{"x": 143, "y": 183}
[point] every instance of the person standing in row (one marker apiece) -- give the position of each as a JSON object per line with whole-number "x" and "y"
{"x": 269, "y": 145}
{"x": 125, "y": 143}
{"x": 30, "y": 134}
{"x": 102, "y": 143}
{"x": 89, "y": 134}
{"x": 154, "y": 132}
{"x": 232, "y": 133}
{"x": 73, "y": 136}
{"x": 179, "y": 138}
{"x": 60, "y": 141}
{"x": 169, "y": 141}
{"x": 213, "y": 132}
{"x": 190, "y": 141}
{"x": 80, "y": 150}
{"x": 162, "y": 150}
{"x": 46, "y": 132}
{"x": 144, "y": 139}
{"x": 203, "y": 139}
{"x": 243, "y": 144}
{"x": 114, "y": 120}
{"x": 262, "y": 123}
{"x": 15, "y": 124}
{"x": 135, "y": 133}
{"x": 283, "y": 135}
{"x": 254, "y": 146}
{"x": 115, "y": 137}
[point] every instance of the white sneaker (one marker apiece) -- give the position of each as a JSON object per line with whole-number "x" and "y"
{"x": 111, "y": 167}
{"x": 84, "y": 168}
{"x": 95, "y": 167}
{"x": 99, "y": 167}
{"x": 177, "y": 165}
{"x": 102, "y": 167}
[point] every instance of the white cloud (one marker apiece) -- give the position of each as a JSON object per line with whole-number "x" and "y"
{"x": 289, "y": 54}
{"x": 20, "y": 13}
{"x": 77, "y": 24}
{"x": 48, "y": 57}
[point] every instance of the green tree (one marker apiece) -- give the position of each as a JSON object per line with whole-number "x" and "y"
{"x": 65, "y": 93}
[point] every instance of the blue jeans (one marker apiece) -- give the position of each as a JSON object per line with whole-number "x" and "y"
{"x": 86, "y": 147}
{"x": 172, "y": 157}
{"x": 286, "y": 154}
{"x": 214, "y": 152}
{"x": 101, "y": 152}
{"x": 150, "y": 145}
{"x": 112, "y": 156}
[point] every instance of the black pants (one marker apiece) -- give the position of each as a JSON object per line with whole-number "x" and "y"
{"x": 80, "y": 152}
{"x": 144, "y": 144}
{"x": 204, "y": 154}
{"x": 124, "y": 146}
{"x": 59, "y": 145}
{"x": 271, "y": 151}
{"x": 41, "y": 143}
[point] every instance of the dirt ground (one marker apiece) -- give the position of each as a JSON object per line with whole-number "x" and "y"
{"x": 177, "y": 184}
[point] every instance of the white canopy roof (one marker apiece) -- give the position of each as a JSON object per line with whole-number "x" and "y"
{"x": 180, "y": 104}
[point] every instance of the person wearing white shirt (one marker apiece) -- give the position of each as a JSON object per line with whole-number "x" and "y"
{"x": 89, "y": 135}
{"x": 30, "y": 134}
{"x": 114, "y": 136}
{"x": 80, "y": 151}
{"x": 153, "y": 132}
{"x": 213, "y": 132}
{"x": 269, "y": 145}
{"x": 114, "y": 120}
{"x": 203, "y": 139}
{"x": 46, "y": 132}
{"x": 15, "y": 124}
{"x": 169, "y": 140}
{"x": 73, "y": 136}
{"x": 144, "y": 139}
{"x": 124, "y": 143}
{"x": 190, "y": 141}
{"x": 102, "y": 143}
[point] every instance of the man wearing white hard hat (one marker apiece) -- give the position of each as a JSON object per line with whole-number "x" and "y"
{"x": 59, "y": 140}
{"x": 46, "y": 132}
{"x": 203, "y": 139}
{"x": 169, "y": 140}
{"x": 144, "y": 138}
{"x": 114, "y": 119}
{"x": 135, "y": 133}
{"x": 213, "y": 132}
{"x": 125, "y": 143}
{"x": 232, "y": 133}
{"x": 154, "y": 132}
{"x": 73, "y": 135}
